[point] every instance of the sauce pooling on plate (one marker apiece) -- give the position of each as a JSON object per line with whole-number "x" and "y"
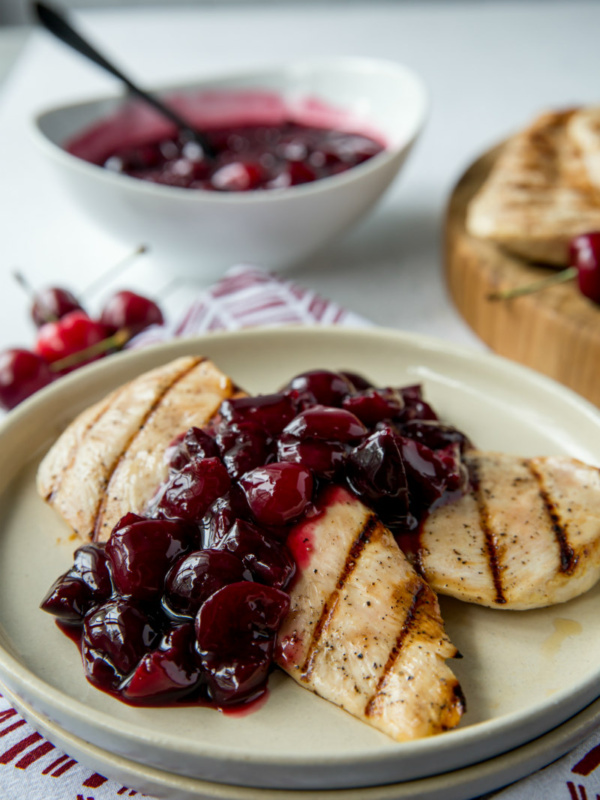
{"x": 259, "y": 143}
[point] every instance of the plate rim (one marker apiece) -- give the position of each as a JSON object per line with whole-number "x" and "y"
{"x": 161, "y": 353}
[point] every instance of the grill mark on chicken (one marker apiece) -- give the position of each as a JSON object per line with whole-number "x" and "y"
{"x": 151, "y": 410}
{"x": 488, "y": 533}
{"x": 50, "y": 496}
{"x": 568, "y": 557}
{"x": 409, "y": 622}
{"x": 332, "y": 601}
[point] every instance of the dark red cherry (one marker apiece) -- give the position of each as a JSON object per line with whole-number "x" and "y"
{"x": 169, "y": 671}
{"x": 431, "y": 472}
{"x": 190, "y": 492}
{"x": 375, "y": 405}
{"x": 243, "y": 446}
{"x": 325, "y": 387}
{"x": 129, "y": 310}
{"x": 22, "y": 373}
{"x": 584, "y": 254}
{"x": 358, "y": 381}
{"x": 235, "y": 630}
{"x": 121, "y": 631}
{"x": 52, "y": 303}
{"x": 197, "y": 576}
{"x": 90, "y": 566}
{"x": 218, "y": 520}
{"x": 71, "y": 334}
{"x": 242, "y": 610}
{"x": 269, "y": 561}
{"x": 414, "y": 405}
{"x": 277, "y": 493}
{"x": 269, "y": 411}
{"x": 434, "y": 434}
{"x": 324, "y": 459}
{"x": 194, "y": 444}
{"x": 330, "y": 424}
{"x": 375, "y": 468}
{"x": 69, "y": 599}
{"x": 238, "y": 675}
{"x": 142, "y": 552}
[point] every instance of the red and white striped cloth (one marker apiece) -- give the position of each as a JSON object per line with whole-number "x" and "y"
{"x": 31, "y": 768}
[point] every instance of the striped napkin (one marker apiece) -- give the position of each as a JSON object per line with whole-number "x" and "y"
{"x": 32, "y": 768}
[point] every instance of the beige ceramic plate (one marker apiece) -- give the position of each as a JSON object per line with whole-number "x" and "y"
{"x": 523, "y": 673}
{"x": 460, "y": 784}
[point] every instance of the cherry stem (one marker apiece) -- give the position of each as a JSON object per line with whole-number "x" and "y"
{"x": 116, "y": 268}
{"x": 114, "y": 342}
{"x": 552, "y": 280}
{"x": 30, "y": 291}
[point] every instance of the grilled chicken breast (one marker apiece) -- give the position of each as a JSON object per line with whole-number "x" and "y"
{"x": 111, "y": 459}
{"x": 526, "y": 535}
{"x": 364, "y": 631}
{"x": 584, "y": 131}
{"x": 538, "y": 195}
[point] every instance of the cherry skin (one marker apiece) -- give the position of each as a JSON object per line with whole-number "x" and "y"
{"x": 331, "y": 424}
{"x": 322, "y": 386}
{"x": 190, "y": 492}
{"x": 269, "y": 561}
{"x": 584, "y": 254}
{"x": 22, "y": 373}
{"x": 197, "y": 576}
{"x": 71, "y": 334}
{"x": 167, "y": 672}
{"x": 277, "y": 493}
{"x": 129, "y": 310}
{"x": 235, "y": 631}
{"x": 53, "y": 303}
{"x": 141, "y": 551}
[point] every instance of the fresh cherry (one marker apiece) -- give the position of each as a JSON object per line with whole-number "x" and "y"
{"x": 584, "y": 266}
{"x": 584, "y": 255}
{"x": 53, "y": 303}
{"x": 22, "y": 373}
{"x": 132, "y": 311}
{"x": 71, "y": 334}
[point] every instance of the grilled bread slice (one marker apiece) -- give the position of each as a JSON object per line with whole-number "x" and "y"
{"x": 537, "y": 196}
{"x": 364, "y": 631}
{"x": 111, "y": 459}
{"x": 527, "y": 534}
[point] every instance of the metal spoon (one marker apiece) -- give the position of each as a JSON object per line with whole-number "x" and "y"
{"x": 57, "y": 24}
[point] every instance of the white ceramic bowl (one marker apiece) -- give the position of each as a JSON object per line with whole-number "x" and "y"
{"x": 203, "y": 232}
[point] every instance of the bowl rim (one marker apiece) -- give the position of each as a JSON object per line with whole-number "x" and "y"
{"x": 387, "y": 158}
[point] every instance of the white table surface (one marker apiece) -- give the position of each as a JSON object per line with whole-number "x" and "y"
{"x": 489, "y": 67}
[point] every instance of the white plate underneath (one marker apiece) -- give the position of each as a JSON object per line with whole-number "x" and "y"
{"x": 523, "y": 673}
{"x": 460, "y": 784}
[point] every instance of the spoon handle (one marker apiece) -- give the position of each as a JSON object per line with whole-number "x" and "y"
{"x": 57, "y": 24}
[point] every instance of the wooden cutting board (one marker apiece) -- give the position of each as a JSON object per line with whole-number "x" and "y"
{"x": 556, "y": 331}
